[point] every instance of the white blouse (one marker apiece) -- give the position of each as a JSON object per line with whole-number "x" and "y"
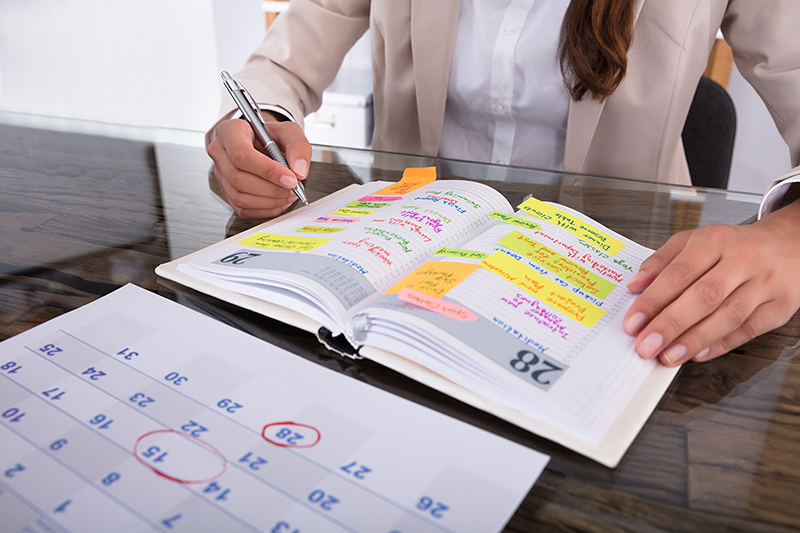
{"x": 506, "y": 99}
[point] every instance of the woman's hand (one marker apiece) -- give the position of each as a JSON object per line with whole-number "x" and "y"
{"x": 253, "y": 184}
{"x": 708, "y": 290}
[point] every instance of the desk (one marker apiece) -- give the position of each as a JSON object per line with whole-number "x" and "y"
{"x": 84, "y": 213}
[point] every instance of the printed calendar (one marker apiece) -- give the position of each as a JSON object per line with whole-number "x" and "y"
{"x": 134, "y": 413}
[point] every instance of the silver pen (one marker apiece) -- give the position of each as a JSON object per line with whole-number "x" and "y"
{"x": 252, "y": 114}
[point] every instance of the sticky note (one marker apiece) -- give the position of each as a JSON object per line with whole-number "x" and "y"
{"x": 437, "y": 305}
{"x": 573, "y": 224}
{"x": 435, "y": 278}
{"x": 319, "y": 229}
{"x": 272, "y": 241}
{"x": 565, "y": 268}
{"x": 367, "y": 205}
{"x": 546, "y": 291}
{"x": 380, "y": 198}
{"x": 413, "y": 179}
{"x": 515, "y": 220}
{"x": 335, "y": 220}
{"x": 455, "y": 252}
{"x": 354, "y": 212}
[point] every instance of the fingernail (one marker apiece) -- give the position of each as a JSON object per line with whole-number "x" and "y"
{"x": 702, "y": 355}
{"x": 674, "y": 353}
{"x": 301, "y": 167}
{"x": 636, "y": 277}
{"x": 634, "y": 323}
{"x": 290, "y": 182}
{"x": 651, "y": 344}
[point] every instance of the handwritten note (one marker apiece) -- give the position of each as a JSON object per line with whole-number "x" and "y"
{"x": 336, "y": 220}
{"x": 556, "y": 263}
{"x": 272, "y": 241}
{"x": 367, "y": 205}
{"x": 354, "y": 212}
{"x": 429, "y": 217}
{"x": 573, "y": 224}
{"x": 437, "y": 305}
{"x": 545, "y": 290}
{"x": 466, "y": 254}
{"x": 373, "y": 198}
{"x": 319, "y": 229}
{"x": 459, "y": 202}
{"x": 515, "y": 220}
{"x": 435, "y": 278}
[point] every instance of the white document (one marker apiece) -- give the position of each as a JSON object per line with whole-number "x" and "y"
{"x": 134, "y": 413}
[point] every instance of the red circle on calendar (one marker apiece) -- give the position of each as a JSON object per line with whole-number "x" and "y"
{"x": 179, "y": 456}
{"x": 291, "y": 435}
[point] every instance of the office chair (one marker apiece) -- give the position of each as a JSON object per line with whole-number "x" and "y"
{"x": 708, "y": 135}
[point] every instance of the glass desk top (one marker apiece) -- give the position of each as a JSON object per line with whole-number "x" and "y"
{"x": 86, "y": 208}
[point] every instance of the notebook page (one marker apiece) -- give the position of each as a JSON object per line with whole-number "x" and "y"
{"x": 548, "y": 301}
{"x": 332, "y": 258}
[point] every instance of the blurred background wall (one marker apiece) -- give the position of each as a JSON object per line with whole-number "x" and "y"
{"x": 157, "y": 63}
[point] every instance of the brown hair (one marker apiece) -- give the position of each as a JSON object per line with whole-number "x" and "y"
{"x": 594, "y": 46}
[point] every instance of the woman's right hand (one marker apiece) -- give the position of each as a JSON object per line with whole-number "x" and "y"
{"x": 256, "y": 186}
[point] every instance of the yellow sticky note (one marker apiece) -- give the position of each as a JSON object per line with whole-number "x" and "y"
{"x": 544, "y": 290}
{"x": 319, "y": 229}
{"x": 435, "y": 278}
{"x": 413, "y": 178}
{"x": 515, "y": 220}
{"x": 562, "y": 266}
{"x": 272, "y": 241}
{"x": 573, "y": 224}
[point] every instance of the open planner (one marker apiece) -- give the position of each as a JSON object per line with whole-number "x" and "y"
{"x": 516, "y": 312}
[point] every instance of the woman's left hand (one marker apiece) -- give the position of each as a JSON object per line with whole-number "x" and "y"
{"x": 708, "y": 290}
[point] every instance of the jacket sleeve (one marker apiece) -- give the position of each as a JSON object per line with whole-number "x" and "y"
{"x": 300, "y": 56}
{"x": 763, "y": 36}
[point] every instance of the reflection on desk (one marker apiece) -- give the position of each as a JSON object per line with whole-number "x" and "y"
{"x": 82, "y": 214}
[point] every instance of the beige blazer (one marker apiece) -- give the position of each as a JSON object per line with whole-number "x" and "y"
{"x": 635, "y": 134}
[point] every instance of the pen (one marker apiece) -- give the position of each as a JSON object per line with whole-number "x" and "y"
{"x": 252, "y": 114}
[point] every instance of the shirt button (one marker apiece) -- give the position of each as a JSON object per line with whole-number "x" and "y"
{"x": 500, "y": 107}
{"x": 510, "y": 29}
{"x": 499, "y": 162}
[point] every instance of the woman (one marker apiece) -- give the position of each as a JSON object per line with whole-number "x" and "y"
{"x": 629, "y": 71}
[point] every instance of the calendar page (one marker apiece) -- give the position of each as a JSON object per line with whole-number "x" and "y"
{"x": 134, "y": 413}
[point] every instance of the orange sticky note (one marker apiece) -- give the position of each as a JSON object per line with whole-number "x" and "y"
{"x": 413, "y": 178}
{"x": 437, "y": 305}
{"x": 435, "y": 278}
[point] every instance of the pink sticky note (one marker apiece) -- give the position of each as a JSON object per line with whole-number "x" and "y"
{"x": 437, "y": 305}
{"x": 380, "y": 198}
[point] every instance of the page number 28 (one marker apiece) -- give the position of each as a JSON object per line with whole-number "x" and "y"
{"x": 543, "y": 372}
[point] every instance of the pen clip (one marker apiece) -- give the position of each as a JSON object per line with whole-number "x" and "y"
{"x": 233, "y": 85}
{"x": 252, "y": 102}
